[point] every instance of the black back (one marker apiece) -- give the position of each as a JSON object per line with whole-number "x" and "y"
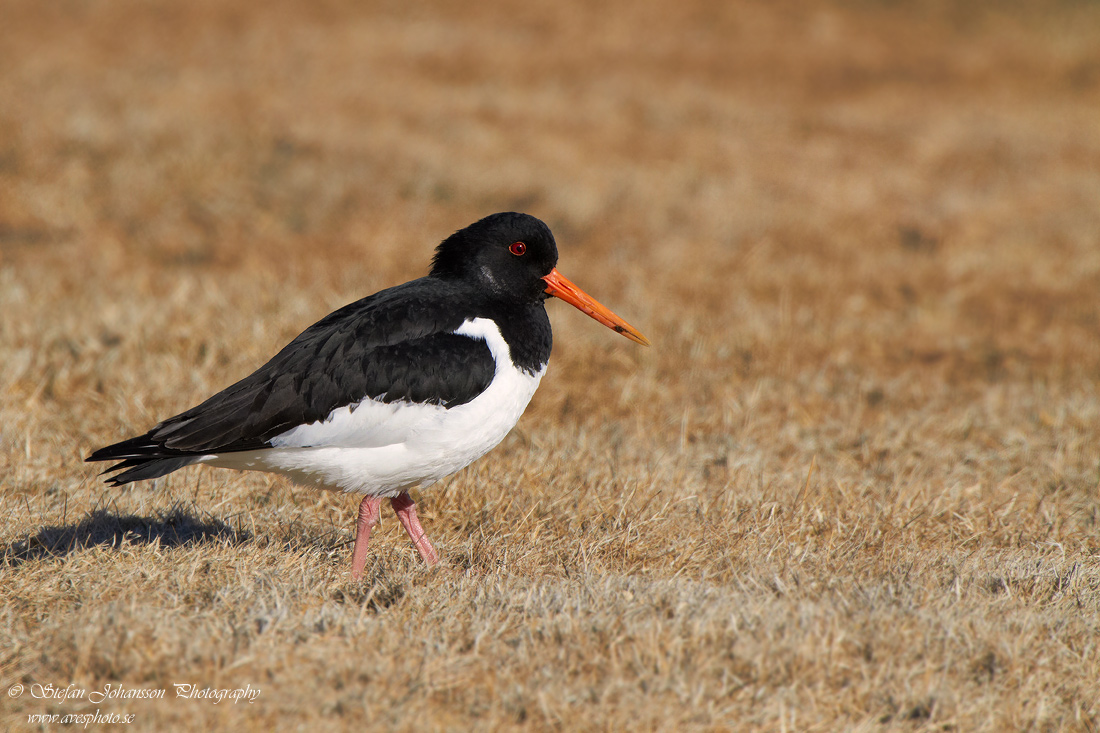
{"x": 396, "y": 345}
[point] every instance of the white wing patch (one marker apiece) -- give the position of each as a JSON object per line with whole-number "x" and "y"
{"x": 383, "y": 449}
{"x": 366, "y": 424}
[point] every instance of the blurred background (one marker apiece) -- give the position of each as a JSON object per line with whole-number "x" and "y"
{"x": 700, "y": 161}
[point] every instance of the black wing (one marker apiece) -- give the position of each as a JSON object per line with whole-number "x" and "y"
{"x": 395, "y": 345}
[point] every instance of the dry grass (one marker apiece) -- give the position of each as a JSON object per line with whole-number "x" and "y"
{"x": 853, "y": 485}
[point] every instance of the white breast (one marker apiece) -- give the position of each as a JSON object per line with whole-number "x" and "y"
{"x": 383, "y": 449}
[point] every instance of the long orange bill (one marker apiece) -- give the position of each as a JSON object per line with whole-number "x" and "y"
{"x": 559, "y": 286}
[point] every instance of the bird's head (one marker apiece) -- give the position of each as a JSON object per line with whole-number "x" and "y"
{"x": 512, "y": 257}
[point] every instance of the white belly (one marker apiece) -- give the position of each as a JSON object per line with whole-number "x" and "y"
{"x": 383, "y": 449}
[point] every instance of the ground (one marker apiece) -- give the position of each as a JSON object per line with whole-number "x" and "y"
{"x": 853, "y": 484}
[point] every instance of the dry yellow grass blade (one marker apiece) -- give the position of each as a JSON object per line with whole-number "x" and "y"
{"x": 854, "y": 484}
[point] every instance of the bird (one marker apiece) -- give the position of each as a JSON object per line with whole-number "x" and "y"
{"x": 394, "y": 391}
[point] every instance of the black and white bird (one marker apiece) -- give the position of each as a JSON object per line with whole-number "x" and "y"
{"x": 392, "y": 392}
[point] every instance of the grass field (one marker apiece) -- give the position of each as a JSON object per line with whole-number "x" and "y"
{"x": 853, "y": 485}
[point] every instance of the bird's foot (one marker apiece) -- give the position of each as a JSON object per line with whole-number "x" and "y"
{"x": 369, "y": 510}
{"x": 405, "y": 508}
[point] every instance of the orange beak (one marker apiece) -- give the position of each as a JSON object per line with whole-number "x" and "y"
{"x": 559, "y": 286}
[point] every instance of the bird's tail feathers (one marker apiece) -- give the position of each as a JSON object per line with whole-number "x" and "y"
{"x": 140, "y": 469}
{"x": 142, "y": 459}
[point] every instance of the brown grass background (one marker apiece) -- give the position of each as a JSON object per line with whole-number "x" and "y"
{"x": 852, "y": 485}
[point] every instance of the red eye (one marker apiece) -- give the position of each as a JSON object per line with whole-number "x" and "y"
{"x": 517, "y": 248}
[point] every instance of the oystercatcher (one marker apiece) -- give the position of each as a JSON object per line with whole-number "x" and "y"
{"x": 394, "y": 391}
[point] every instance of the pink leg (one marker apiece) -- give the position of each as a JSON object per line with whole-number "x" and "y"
{"x": 369, "y": 510}
{"x": 406, "y": 512}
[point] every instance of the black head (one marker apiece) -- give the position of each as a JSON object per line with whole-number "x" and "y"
{"x": 505, "y": 255}
{"x": 511, "y": 258}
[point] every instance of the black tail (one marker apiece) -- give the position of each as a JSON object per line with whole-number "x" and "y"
{"x": 142, "y": 458}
